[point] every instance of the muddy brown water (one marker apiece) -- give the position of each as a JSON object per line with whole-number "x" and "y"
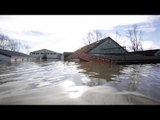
{"x": 58, "y": 82}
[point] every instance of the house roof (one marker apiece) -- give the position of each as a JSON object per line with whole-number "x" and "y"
{"x": 85, "y": 49}
{"x": 89, "y": 47}
{"x": 43, "y": 50}
{"x": 66, "y": 54}
{"x": 12, "y": 53}
{"x": 146, "y": 52}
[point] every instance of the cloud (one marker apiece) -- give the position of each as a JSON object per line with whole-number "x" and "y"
{"x": 147, "y": 28}
{"x": 63, "y": 33}
{"x": 124, "y": 41}
{"x": 150, "y": 45}
{"x": 34, "y": 33}
{"x": 144, "y": 27}
{"x": 69, "y": 22}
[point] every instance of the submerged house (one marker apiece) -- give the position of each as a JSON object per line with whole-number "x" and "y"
{"x": 101, "y": 48}
{"x": 155, "y": 52}
{"x": 109, "y": 51}
{"x": 66, "y": 54}
{"x": 9, "y": 56}
{"x": 45, "y": 54}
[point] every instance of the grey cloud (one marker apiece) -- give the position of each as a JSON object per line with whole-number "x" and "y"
{"x": 28, "y": 33}
{"x": 145, "y": 27}
{"x": 34, "y": 33}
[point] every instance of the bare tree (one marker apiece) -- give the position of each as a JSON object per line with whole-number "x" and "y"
{"x": 118, "y": 35}
{"x": 98, "y": 34}
{"x": 4, "y": 40}
{"x": 10, "y": 44}
{"x": 14, "y": 45}
{"x": 93, "y": 36}
{"x": 135, "y": 36}
{"x": 89, "y": 38}
{"x": 27, "y": 47}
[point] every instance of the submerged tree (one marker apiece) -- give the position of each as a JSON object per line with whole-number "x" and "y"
{"x": 93, "y": 36}
{"x": 135, "y": 36}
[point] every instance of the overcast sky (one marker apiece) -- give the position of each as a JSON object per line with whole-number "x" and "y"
{"x": 65, "y": 33}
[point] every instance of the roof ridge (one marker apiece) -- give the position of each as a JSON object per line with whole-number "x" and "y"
{"x": 99, "y": 42}
{"x": 44, "y": 49}
{"x": 87, "y": 48}
{"x": 10, "y": 53}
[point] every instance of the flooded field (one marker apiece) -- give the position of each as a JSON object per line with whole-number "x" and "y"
{"x": 58, "y": 82}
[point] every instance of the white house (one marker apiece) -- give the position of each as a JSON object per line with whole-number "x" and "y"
{"x": 9, "y": 56}
{"x": 45, "y": 54}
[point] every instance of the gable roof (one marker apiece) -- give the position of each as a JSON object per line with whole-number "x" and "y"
{"x": 85, "y": 49}
{"x": 90, "y": 47}
{"x": 43, "y": 50}
{"x": 12, "y": 53}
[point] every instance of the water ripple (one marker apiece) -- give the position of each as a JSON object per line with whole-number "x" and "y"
{"x": 21, "y": 78}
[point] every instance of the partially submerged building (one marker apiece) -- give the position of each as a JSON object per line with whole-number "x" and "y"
{"x": 109, "y": 51}
{"x": 45, "y": 54}
{"x": 66, "y": 54}
{"x": 9, "y": 56}
{"x": 154, "y": 52}
{"x": 100, "y": 48}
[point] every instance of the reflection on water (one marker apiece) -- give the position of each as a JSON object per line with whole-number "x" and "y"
{"x": 57, "y": 82}
{"x": 102, "y": 71}
{"x": 136, "y": 78}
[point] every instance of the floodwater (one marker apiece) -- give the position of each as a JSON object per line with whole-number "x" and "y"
{"x": 72, "y": 83}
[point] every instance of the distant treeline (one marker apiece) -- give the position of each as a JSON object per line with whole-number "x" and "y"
{"x": 8, "y": 43}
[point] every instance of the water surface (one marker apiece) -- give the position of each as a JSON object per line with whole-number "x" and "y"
{"x": 58, "y": 82}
